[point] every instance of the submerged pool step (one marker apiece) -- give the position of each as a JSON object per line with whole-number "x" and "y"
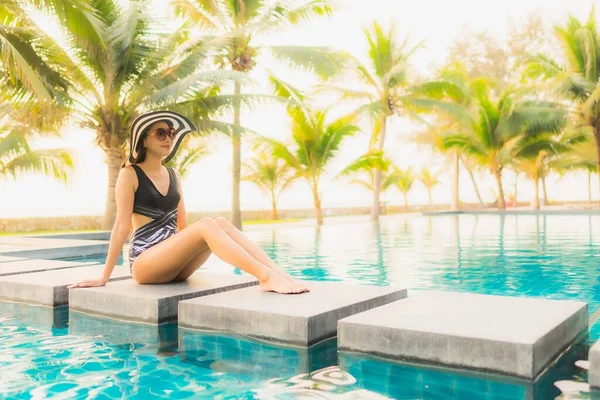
{"x": 508, "y": 335}
{"x": 153, "y": 303}
{"x": 36, "y": 265}
{"x": 300, "y": 319}
{"x": 50, "y": 287}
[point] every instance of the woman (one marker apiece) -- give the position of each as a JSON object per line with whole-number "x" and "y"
{"x": 164, "y": 248}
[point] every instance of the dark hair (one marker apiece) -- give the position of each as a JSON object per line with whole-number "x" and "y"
{"x": 140, "y": 149}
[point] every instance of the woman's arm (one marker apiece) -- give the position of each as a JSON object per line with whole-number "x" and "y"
{"x": 125, "y": 193}
{"x": 181, "y": 213}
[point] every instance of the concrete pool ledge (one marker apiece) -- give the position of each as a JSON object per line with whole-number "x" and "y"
{"x": 506, "y": 335}
{"x": 154, "y": 304}
{"x": 301, "y": 319}
{"x": 27, "y": 266}
{"x": 5, "y": 259}
{"x": 50, "y": 287}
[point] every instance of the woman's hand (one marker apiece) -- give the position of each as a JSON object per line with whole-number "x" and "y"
{"x": 89, "y": 283}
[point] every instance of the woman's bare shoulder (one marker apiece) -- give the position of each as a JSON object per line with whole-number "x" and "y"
{"x": 127, "y": 174}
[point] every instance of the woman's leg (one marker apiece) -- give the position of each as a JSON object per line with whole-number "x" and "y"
{"x": 193, "y": 265}
{"x": 166, "y": 260}
{"x": 250, "y": 246}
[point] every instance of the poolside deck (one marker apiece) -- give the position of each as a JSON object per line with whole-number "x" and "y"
{"x": 50, "y": 248}
{"x": 4, "y": 259}
{"x": 506, "y": 335}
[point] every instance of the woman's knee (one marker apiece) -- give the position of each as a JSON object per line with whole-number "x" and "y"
{"x": 223, "y": 223}
{"x": 205, "y": 225}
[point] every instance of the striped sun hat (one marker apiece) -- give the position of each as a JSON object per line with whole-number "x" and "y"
{"x": 181, "y": 124}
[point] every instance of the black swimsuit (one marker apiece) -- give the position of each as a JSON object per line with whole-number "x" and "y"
{"x": 151, "y": 203}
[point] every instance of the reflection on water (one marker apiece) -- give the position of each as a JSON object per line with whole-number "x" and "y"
{"x": 519, "y": 255}
{"x": 259, "y": 360}
{"x": 411, "y": 381}
{"x": 37, "y": 316}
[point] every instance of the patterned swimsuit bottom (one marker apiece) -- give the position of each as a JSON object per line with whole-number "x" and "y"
{"x": 152, "y": 234}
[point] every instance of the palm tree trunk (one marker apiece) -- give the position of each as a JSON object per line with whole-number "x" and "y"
{"x": 597, "y": 138}
{"x": 536, "y": 195}
{"x": 376, "y": 206}
{"x": 317, "y": 202}
{"x": 516, "y": 189}
{"x": 545, "y": 191}
{"x": 498, "y": 175}
{"x": 405, "y": 201}
{"x": 429, "y": 195}
{"x": 274, "y": 213}
{"x": 589, "y": 187}
{"x": 114, "y": 159}
{"x": 474, "y": 182}
{"x": 236, "y": 215}
{"x": 455, "y": 183}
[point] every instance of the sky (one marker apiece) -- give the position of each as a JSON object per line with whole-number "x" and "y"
{"x": 208, "y": 185}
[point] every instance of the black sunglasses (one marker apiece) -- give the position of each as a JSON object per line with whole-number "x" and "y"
{"x": 162, "y": 133}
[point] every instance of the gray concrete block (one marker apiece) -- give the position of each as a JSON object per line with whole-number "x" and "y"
{"x": 301, "y": 319}
{"x": 48, "y": 248}
{"x": 152, "y": 303}
{"x": 28, "y": 266}
{"x": 507, "y": 335}
{"x": 37, "y": 316}
{"x": 98, "y": 235}
{"x": 50, "y": 287}
{"x": 4, "y": 259}
{"x": 594, "y": 372}
{"x": 260, "y": 360}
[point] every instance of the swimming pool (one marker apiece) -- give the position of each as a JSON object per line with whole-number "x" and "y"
{"x": 550, "y": 256}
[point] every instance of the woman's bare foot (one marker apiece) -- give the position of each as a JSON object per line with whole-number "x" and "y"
{"x": 279, "y": 284}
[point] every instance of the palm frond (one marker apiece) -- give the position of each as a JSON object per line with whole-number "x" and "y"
{"x": 325, "y": 62}
{"x": 55, "y": 163}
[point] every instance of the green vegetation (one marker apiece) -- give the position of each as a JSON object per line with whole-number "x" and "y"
{"x": 493, "y": 107}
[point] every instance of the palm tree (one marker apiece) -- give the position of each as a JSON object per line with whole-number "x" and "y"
{"x": 118, "y": 65}
{"x": 16, "y": 155}
{"x": 25, "y": 58}
{"x": 388, "y": 91}
{"x": 582, "y": 156}
{"x": 579, "y": 79}
{"x": 531, "y": 155}
{"x": 31, "y": 98}
{"x": 272, "y": 175}
{"x": 499, "y": 125}
{"x": 367, "y": 164}
{"x": 429, "y": 180}
{"x": 404, "y": 180}
{"x": 316, "y": 143}
{"x": 244, "y": 22}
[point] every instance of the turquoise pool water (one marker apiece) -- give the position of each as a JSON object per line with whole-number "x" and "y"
{"x": 543, "y": 256}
